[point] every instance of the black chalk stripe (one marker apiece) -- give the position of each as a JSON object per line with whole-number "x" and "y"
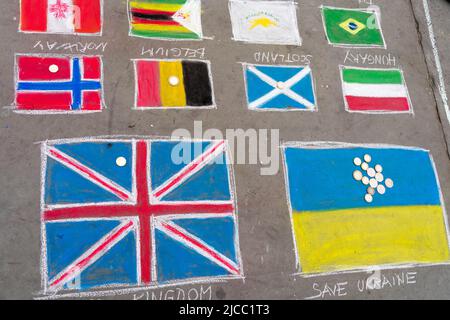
{"x": 151, "y": 16}
{"x": 197, "y": 83}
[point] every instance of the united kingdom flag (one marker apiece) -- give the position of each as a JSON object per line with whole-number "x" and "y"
{"x": 136, "y": 212}
{"x": 58, "y": 83}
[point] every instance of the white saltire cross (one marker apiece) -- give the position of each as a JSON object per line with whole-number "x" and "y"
{"x": 281, "y": 88}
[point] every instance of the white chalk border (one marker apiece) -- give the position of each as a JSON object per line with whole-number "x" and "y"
{"x": 437, "y": 60}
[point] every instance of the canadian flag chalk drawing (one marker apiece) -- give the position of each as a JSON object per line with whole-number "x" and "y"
{"x": 58, "y": 84}
{"x": 83, "y": 17}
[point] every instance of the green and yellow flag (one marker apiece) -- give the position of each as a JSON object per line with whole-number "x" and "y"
{"x": 352, "y": 27}
{"x": 357, "y": 207}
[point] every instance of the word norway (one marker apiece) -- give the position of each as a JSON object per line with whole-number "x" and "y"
{"x": 58, "y": 83}
{"x": 120, "y": 213}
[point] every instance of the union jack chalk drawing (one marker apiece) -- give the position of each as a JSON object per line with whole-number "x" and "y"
{"x": 58, "y": 84}
{"x": 126, "y": 212}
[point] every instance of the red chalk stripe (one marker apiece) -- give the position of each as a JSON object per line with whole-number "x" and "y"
{"x": 148, "y": 91}
{"x": 377, "y": 104}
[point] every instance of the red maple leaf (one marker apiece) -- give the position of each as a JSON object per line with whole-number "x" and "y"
{"x": 59, "y": 9}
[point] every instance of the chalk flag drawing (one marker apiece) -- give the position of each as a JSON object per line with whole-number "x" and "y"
{"x": 166, "y": 19}
{"x": 126, "y": 212}
{"x": 58, "y": 84}
{"x": 173, "y": 84}
{"x": 355, "y": 207}
{"x": 280, "y": 88}
{"x": 375, "y": 90}
{"x": 353, "y": 27}
{"x": 269, "y": 22}
{"x": 82, "y": 17}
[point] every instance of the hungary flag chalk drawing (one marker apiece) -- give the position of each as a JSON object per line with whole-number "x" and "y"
{"x": 353, "y": 27}
{"x": 375, "y": 90}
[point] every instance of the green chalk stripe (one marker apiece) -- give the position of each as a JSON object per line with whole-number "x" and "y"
{"x": 372, "y": 76}
{"x": 164, "y": 1}
{"x": 165, "y": 34}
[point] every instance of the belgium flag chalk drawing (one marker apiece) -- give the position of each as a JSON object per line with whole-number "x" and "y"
{"x": 355, "y": 207}
{"x": 166, "y": 19}
{"x": 353, "y": 27}
{"x": 173, "y": 84}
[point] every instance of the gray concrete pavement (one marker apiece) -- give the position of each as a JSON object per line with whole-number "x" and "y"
{"x": 432, "y": 24}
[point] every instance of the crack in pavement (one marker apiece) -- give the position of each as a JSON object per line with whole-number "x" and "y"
{"x": 430, "y": 77}
{"x": 113, "y": 100}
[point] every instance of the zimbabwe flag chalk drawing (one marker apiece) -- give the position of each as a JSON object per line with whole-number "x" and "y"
{"x": 375, "y": 90}
{"x": 173, "y": 84}
{"x": 166, "y": 19}
{"x": 353, "y": 27}
{"x": 356, "y": 207}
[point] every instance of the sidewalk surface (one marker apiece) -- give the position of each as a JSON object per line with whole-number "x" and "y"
{"x": 264, "y": 223}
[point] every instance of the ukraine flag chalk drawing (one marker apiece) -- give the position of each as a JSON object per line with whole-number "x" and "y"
{"x": 356, "y": 207}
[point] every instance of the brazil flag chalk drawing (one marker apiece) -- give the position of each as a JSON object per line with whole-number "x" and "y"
{"x": 353, "y": 27}
{"x": 355, "y": 207}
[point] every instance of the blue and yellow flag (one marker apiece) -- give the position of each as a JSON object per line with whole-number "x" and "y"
{"x": 356, "y": 207}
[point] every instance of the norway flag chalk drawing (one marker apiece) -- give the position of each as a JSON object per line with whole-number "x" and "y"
{"x": 58, "y": 84}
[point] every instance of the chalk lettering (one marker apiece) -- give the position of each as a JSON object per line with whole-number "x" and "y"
{"x": 198, "y": 293}
{"x": 273, "y": 57}
{"x": 80, "y": 47}
{"x": 380, "y": 282}
{"x": 199, "y": 53}
{"x": 335, "y": 290}
{"x": 370, "y": 59}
